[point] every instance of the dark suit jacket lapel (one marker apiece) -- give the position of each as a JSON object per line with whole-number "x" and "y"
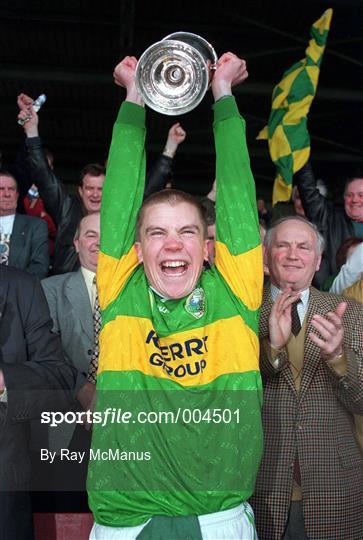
{"x": 3, "y": 295}
{"x": 77, "y": 294}
{"x": 264, "y": 332}
{"x": 317, "y": 305}
{"x": 17, "y": 241}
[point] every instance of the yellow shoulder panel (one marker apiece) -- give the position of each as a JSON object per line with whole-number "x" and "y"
{"x": 243, "y": 273}
{"x": 112, "y": 275}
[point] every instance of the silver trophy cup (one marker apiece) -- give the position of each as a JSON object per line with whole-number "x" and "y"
{"x": 174, "y": 74}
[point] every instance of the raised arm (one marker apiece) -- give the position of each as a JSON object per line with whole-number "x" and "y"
{"x": 123, "y": 188}
{"x": 238, "y": 249}
{"x": 316, "y": 207}
{"x": 162, "y": 170}
{"x": 51, "y": 190}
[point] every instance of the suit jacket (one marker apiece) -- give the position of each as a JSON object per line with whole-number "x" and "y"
{"x": 317, "y": 425}
{"x": 29, "y": 249}
{"x": 71, "y": 312}
{"x": 36, "y": 377}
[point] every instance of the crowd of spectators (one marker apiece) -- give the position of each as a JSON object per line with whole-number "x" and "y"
{"x": 309, "y": 480}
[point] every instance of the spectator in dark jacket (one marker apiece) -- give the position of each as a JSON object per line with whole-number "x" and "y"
{"x": 334, "y": 223}
{"x": 65, "y": 209}
{"x": 23, "y": 239}
{"x": 33, "y": 378}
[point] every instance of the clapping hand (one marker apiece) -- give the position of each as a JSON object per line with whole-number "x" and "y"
{"x": 331, "y": 332}
{"x": 280, "y": 318}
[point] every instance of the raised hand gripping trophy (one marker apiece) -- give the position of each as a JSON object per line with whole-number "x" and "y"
{"x": 174, "y": 74}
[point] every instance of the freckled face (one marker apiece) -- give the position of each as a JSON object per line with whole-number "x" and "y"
{"x": 172, "y": 248}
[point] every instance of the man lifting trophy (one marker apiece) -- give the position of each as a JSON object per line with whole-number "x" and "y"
{"x": 178, "y": 346}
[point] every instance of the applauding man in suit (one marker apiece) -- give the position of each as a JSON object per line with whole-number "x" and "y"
{"x": 310, "y": 481}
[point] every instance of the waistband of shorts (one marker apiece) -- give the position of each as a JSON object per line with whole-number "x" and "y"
{"x": 224, "y": 515}
{"x": 205, "y": 520}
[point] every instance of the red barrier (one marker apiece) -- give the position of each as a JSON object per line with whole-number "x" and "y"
{"x": 62, "y": 526}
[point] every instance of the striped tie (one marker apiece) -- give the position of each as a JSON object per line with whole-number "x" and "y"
{"x": 97, "y": 323}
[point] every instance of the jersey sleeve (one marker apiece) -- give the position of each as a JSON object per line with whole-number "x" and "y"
{"x": 121, "y": 199}
{"x": 238, "y": 245}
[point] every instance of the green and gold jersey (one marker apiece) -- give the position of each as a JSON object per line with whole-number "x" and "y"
{"x": 178, "y": 380}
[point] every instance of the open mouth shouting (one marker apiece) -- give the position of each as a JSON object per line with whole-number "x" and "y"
{"x": 172, "y": 247}
{"x": 174, "y": 268}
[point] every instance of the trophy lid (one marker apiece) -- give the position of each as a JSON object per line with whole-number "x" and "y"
{"x": 201, "y": 44}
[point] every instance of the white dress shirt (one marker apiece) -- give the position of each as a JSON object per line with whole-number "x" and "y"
{"x": 7, "y": 224}
{"x": 89, "y": 278}
{"x": 302, "y": 306}
{"x": 350, "y": 272}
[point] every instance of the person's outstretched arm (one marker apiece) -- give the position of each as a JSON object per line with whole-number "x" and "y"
{"x": 238, "y": 245}
{"x": 51, "y": 190}
{"x": 316, "y": 207}
{"x": 123, "y": 189}
{"x": 162, "y": 169}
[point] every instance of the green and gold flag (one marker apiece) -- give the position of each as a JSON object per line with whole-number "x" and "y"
{"x": 287, "y": 134}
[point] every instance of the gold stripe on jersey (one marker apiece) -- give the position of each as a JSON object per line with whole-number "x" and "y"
{"x": 242, "y": 273}
{"x": 110, "y": 278}
{"x": 192, "y": 358}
